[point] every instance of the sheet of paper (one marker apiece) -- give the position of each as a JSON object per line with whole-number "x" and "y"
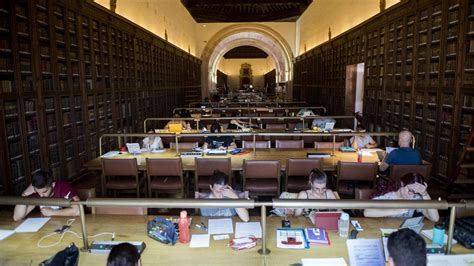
{"x": 199, "y": 241}
{"x": 221, "y": 237}
{"x": 429, "y": 234}
{"x": 451, "y": 260}
{"x": 248, "y": 229}
{"x": 220, "y": 226}
{"x": 367, "y": 153}
{"x": 31, "y": 225}
{"x": 110, "y": 154}
{"x": 385, "y": 247}
{"x": 327, "y": 261}
{"x": 365, "y": 252}
{"x": 6, "y": 233}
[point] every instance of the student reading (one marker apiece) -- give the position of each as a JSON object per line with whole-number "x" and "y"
{"x": 403, "y": 155}
{"x": 219, "y": 142}
{"x": 220, "y": 189}
{"x": 411, "y": 187}
{"x": 318, "y": 183}
{"x": 42, "y": 186}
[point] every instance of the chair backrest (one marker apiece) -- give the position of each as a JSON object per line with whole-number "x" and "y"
{"x": 184, "y": 145}
{"x": 289, "y": 144}
{"x": 259, "y": 144}
{"x": 85, "y": 193}
{"x": 261, "y": 169}
{"x": 356, "y": 171}
{"x": 206, "y": 166}
{"x": 327, "y": 145}
{"x": 301, "y": 167}
{"x": 275, "y": 126}
{"x": 398, "y": 171}
{"x": 363, "y": 193}
{"x": 119, "y": 167}
{"x": 120, "y": 210}
{"x": 164, "y": 167}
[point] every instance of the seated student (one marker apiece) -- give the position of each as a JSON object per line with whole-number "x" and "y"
{"x": 305, "y": 112}
{"x": 411, "y": 187}
{"x": 124, "y": 254}
{"x": 152, "y": 142}
{"x": 362, "y": 141}
{"x": 406, "y": 248}
{"x": 218, "y": 142}
{"x": 318, "y": 182}
{"x": 42, "y": 186}
{"x": 177, "y": 120}
{"x": 403, "y": 155}
{"x": 238, "y": 124}
{"x": 221, "y": 190}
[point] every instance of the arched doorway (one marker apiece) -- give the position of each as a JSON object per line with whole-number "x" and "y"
{"x": 259, "y": 36}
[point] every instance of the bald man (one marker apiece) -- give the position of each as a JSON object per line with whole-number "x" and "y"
{"x": 403, "y": 155}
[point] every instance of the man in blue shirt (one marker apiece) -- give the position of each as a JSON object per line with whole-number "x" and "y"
{"x": 403, "y": 155}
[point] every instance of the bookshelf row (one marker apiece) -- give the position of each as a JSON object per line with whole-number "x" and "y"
{"x": 71, "y": 71}
{"x": 418, "y": 60}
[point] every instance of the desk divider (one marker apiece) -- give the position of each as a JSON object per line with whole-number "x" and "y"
{"x": 250, "y": 203}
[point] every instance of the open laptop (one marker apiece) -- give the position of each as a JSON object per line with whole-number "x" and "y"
{"x": 415, "y": 224}
{"x": 325, "y": 220}
{"x": 329, "y": 126}
{"x": 133, "y": 148}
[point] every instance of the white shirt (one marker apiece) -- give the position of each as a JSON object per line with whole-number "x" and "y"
{"x": 156, "y": 145}
{"x": 362, "y": 141}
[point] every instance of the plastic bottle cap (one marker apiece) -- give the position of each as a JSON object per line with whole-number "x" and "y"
{"x": 439, "y": 226}
{"x": 183, "y": 214}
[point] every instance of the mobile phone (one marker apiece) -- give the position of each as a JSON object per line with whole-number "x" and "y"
{"x": 62, "y": 229}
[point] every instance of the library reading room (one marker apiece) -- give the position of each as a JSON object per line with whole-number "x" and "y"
{"x": 237, "y": 132}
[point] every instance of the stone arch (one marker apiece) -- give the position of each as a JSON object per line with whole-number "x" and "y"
{"x": 260, "y": 36}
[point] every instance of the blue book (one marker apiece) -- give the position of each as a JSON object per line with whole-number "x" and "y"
{"x": 317, "y": 236}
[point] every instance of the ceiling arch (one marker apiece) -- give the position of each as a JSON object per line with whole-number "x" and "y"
{"x": 259, "y": 36}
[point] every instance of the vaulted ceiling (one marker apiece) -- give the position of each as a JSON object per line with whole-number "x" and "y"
{"x": 245, "y": 52}
{"x": 245, "y": 10}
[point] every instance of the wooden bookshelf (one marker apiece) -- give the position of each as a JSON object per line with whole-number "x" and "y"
{"x": 71, "y": 71}
{"x": 419, "y": 75}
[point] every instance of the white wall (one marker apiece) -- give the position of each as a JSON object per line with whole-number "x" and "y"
{"x": 340, "y": 15}
{"x": 156, "y": 16}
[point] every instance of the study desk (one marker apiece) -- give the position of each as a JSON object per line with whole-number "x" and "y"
{"x": 329, "y": 164}
{"x": 21, "y": 249}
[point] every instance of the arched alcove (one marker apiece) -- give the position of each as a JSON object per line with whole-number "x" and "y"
{"x": 259, "y": 36}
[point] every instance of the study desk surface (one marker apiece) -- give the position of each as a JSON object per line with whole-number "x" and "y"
{"x": 329, "y": 164}
{"x": 21, "y": 248}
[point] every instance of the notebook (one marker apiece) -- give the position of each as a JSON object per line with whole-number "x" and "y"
{"x": 317, "y": 236}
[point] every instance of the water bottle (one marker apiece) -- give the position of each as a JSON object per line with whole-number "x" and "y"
{"x": 359, "y": 156}
{"x": 183, "y": 225}
{"x": 344, "y": 225}
{"x": 438, "y": 234}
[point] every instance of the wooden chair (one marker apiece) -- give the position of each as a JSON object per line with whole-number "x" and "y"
{"x": 398, "y": 171}
{"x": 165, "y": 176}
{"x": 351, "y": 175}
{"x": 275, "y": 126}
{"x": 120, "y": 174}
{"x": 327, "y": 145}
{"x": 289, "y": 144}
{"x": 205, "y": 168}
{"x": 261, "y": 177}
{"x": 297, "y": 173}
{"x": 259, "y": 144}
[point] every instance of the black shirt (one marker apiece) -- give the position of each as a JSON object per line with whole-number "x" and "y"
{"x": 214, "y": 142}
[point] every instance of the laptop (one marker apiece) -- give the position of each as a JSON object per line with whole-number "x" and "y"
{"x": 133, "y": 148}
{"x": 325, "y": 220}
{"x": 415, "y": 224}
{"x": 329, "y": 126}
{"x": 381, "y": 155}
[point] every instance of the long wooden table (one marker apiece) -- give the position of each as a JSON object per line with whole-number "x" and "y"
{"x": 329, "y": 164}
{"x": 21, "y": 248}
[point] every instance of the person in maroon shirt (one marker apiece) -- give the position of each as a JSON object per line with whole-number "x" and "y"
{"x": 42, "y": 186}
